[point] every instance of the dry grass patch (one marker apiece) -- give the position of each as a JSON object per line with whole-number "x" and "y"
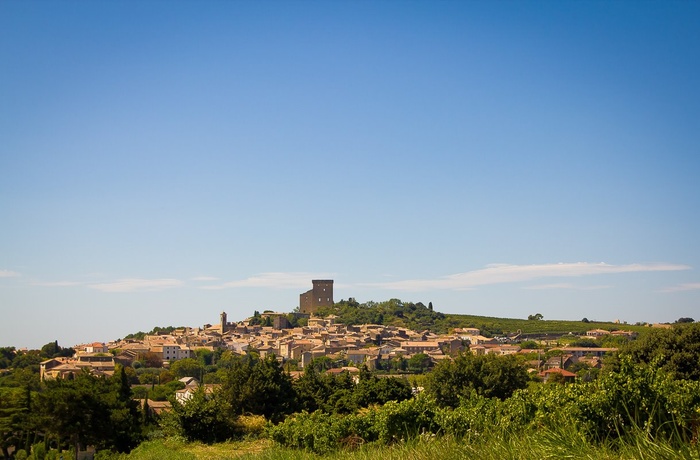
{"x": 226, "y": 450}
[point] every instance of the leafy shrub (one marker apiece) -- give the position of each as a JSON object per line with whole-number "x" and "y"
{"x": 640, "y": 397}
{"x": 250, "y": 425}
{"x": 472, "y": 417}
{"x": 316, "y": 432}
{"x": 406, "y": 419}
{"x": 39, "y": 451}
{"x": 201, "y": 418}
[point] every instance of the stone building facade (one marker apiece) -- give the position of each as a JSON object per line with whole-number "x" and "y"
{"x": 320, "y": 296}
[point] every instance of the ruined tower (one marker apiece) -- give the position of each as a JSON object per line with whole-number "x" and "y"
{"x": 223, "y": 322}
{"x": 320, "y": 296}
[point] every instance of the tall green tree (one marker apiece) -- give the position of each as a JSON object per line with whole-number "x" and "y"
{"x": 125, "y": 419}
{"x": 13, "y": 402}
{"x": 487, "y": 375}
{"x": 7, "y": 354}
{"x": 372, "y": 390}
{"x": 72, "y": 410}
{"x": 311, "y": 390}
{"x": 259, "y": 386}
{"x": 90, "y": 410}
{"x": 17, "y": 420}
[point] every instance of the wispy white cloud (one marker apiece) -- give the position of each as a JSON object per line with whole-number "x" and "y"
{"x": 59, "y": 283}
{"x": 8, "y": 274}
{"x": 505, "y": 273}
{"x": 205, "y": 278}
{"x": 278, "y": 280}
{"x": 566, "y": 286}
{"x": 135, "y": 284}
{"x": 682, "y": 287}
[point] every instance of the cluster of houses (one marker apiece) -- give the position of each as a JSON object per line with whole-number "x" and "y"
{"x": 371, "y": 345}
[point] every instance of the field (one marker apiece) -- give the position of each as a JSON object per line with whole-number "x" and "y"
{"x": 530, "y": 446}
{"x": 512, "y": 325}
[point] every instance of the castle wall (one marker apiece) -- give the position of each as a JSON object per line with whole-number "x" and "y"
{"x": 320, "y": 296}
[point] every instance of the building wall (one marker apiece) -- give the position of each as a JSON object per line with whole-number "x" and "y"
{"x": 320, "y": 296}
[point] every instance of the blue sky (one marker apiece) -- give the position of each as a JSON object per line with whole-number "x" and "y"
{"x": 161, "y": 162}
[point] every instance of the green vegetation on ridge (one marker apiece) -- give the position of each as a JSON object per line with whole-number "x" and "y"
{"x": 418, "y": 317}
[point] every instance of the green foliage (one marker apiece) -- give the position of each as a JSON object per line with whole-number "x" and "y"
{"x": 188, "y": 367}
{"x": 321, "y": 363}
{"x": 54, "y": 350}
{"x": 205, "y": 356}
{"x": 639, "y": 406}
{"x": 529, "y": 445}
{"x": 676, "y": 350}
{"x": 316, "y": 432}
{"x": 202, "y": 417}
{"x": 373, "y": 390}
{"x": 166, "y": 391}
{"x": 151, "y": 450}
{"x": 27, "y": 359}
{"x": 147, "y": 375}
{"x": 393, "y": 312}
{"x": 487, "y": 375}
{"x": 90, "y": 410}
{"x": 417, "y": 316}
{"x": 39, "y": 451}
{"x": 314, "y": 390}
{"x": 338, "y": 393}
{"x": 7, "y": 354}
{"x": 419, "y": 363}
{"x": 529, "y": 344}
{"x": 13, "y": 416}
{"x": 258, "y": 386}
{"x": 402, "y": 420}
{"x": 156, "y": 331}
{"x": 643, "y": 397}
{"x": 586, "y": 343}
{"x": 150, "y": 360}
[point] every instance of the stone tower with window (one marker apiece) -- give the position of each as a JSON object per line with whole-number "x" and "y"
{"x": 224, "y": 324}
{"x": 320, "y": 296}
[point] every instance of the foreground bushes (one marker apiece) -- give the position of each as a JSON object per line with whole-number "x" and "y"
{"x": 638, "y": 401}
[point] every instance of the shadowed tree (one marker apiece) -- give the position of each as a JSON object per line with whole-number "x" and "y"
{"x": 487, "y": 375}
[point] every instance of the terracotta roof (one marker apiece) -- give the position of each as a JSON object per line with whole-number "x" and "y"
{"x": 557, "y": 370}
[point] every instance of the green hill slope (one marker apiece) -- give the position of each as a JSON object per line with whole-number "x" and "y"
{"x": 417, "y": 316}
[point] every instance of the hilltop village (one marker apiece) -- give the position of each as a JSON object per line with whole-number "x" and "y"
{"x": 371, "y": 345}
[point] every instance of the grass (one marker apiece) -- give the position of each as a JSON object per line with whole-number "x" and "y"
{"x": 537, "y": 445}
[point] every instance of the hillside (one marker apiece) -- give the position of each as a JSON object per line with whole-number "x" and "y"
{"x": 417, "y": 316}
